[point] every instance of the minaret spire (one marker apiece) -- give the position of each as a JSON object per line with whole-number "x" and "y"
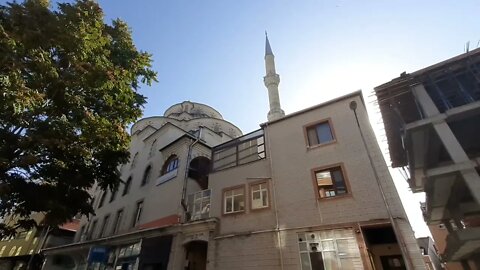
{"x": 271, "y": 80}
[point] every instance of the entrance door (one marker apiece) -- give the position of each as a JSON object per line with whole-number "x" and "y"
{"x": 394, "y": 262}
{"x": 196, "y": 255}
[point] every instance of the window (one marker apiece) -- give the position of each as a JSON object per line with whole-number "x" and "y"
{"x": 146, "y": 175}
{"x": 259, "y": 195}
{"x": 104, "y": 225}
{"x": 29, "y": 234}
{"x": 92, "y": 229}
{"x": 102, "y": 199}
{"x": 113, "y": 194}
{"x": 12, "y": 251}
{"x": 118, "y": 221}
{"x": 2, "y": 250}
{"x": 242, "y": 150}
{"x": 170, "y": 165}
{"x": 330, "y": 182}
{"x": 138, "y": 213}
{"x": 80, "y": 234}
{"x": 18, "y": 251}
{"x": 320, "y": 133}
{"x": 22, "y": 235}
{"x": 234, "y": 200}
{"x": 126, "y": 188}
{"x": 329, "y": 249}
{"x": 134, "y": 160}
{"x": 152, "y": 148}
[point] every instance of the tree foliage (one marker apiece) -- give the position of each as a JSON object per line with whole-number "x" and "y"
{"x": 68, "y": 90}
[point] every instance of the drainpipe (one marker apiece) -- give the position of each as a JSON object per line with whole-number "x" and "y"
{"x": 277, "y": 223}
{"x": 185, "y": 179}
{"x": 403, "y": 248}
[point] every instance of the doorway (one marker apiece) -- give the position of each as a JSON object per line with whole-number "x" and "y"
{"x": 383, "y": 248}
{"x": 196, "y": 255}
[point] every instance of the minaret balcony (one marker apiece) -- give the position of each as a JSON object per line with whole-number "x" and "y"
{"x": 271, "y": 79}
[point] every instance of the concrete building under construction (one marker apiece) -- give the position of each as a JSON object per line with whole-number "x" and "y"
{"x": 432, "y": 122}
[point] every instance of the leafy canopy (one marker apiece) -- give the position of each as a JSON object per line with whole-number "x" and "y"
{"x": 68, "y": 90}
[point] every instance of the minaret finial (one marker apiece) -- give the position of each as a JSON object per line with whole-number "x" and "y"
{"x": 271, "y": 81}
{"x": 268, "y": 49}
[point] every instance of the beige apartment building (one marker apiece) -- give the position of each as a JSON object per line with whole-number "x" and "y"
{"x": 432, "y": 122}
{"x": 308, "y": 190}
{"x": 22, "y": 251}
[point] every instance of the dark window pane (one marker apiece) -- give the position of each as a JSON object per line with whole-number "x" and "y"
{"x": 339, "y": 181}
{"x": 330, "y": 183}
{"x": 317, "y": 261}
{"x": 324, "y": 133}
{"x": 126, "y": 188}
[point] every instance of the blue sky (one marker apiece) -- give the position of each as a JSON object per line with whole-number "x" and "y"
{"x": 212, "y": 52}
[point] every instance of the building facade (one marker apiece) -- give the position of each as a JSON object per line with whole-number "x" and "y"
{"x": 430, "y": 253}
{"x": 309, "y": 190}
{"x": 20, "y": 251}
{"x": 432, "y": 118}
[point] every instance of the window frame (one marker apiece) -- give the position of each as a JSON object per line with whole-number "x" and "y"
{"x": 314, "y": 171}
{"x": 92, "y": 229}
{"x": 245, "y": 199}
{"x": 354, "y": 238}
{"x": 314, "y": 124}
{"x": 137, "y": 215}
{"x": 170, "y": 159}
{"x": 127, "y": 185}
{"x": 103, "y": 196}
{"x": 113, "y": 194}
{"x": 105, "y": 223}
{"x": 81, "y": 232}
{"x": 250, "y": 194}
{"x": 147, "y": 174}
{"x": 133, "y": 161}
{"x": 118, "y": 220}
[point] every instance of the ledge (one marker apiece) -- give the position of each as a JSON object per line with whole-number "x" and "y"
{"x": 166, "y": 177}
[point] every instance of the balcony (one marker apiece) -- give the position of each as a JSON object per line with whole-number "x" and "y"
{"x": 463, "y": 244}
{"x": 239, "y": 151}
{"x": 198, "y": 205}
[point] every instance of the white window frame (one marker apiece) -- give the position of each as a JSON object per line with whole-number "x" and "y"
{"x": 232, "y": 199}
{"x": 307, "y": 243}
{"x": 263, "y": 189}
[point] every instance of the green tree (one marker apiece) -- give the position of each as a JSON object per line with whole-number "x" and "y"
{"x": 68, "y": 90}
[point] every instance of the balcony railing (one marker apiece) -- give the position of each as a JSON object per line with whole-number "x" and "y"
{"x": 242, "y": 150}
{"x": 198, "y": 205}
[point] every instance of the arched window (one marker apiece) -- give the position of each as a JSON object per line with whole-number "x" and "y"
{"x": 152, "y": 148}
{"x": 126, "y": 188}
{"x": 170, "y": 165}
{"x": 146, "y": 175}
{"x": 102, "y": 199}
{"x": 134, "y": 160}
{"x": 198, "y": 170}
{"x": 12, "y": 251}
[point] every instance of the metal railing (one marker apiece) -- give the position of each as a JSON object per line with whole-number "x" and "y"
{"x": 198, "y": 205}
